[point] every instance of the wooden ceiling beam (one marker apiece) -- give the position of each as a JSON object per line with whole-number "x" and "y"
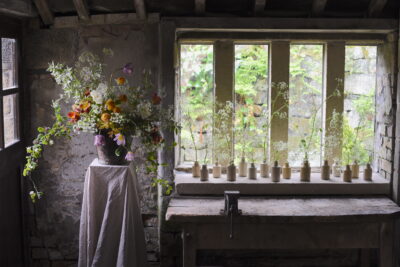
{"x": 200, "y": 7}
{"x": 140, "y": 9}
{"x": 44, "y": 11}
{"x": 375, "y": 7}
{"x": 82, "y": 9}
{"x": 259, "y": 6}
{"x": 318, "y": 7}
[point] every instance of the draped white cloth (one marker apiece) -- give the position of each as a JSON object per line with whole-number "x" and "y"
{"x": 111, "y": 230}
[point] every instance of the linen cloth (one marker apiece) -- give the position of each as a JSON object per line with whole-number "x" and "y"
{"x": 111, "y": 230}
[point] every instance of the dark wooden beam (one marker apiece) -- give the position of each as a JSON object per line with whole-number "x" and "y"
{"x": 375, "y": 7}
{"x": 200, "y": 7}
{"x": 140, "y": 9}
{"x": 44, "y": 11}
{"x": 82, "y": 9}
{"x": 259, "y": 6}
{"x": 318, "y": 7}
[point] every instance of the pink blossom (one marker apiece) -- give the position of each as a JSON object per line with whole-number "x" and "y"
{"x": 128, "y": 68}
{"x": 99, "y": 140}
{"x": 120, "y": 139}
{"x": 130, "y": 156}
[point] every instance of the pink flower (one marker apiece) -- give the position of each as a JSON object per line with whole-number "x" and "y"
{"x": 99, "y": 140}
{"x": 120, "y": 139}
{"x": 130, "y": 156}
{"x": 128, "y": 69}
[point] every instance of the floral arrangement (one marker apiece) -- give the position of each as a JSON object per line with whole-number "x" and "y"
{"x": 108, "y": 107}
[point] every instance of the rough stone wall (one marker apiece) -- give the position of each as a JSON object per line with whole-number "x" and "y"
{"x": 54, "y": 221}
{"x": 385, "y": 107}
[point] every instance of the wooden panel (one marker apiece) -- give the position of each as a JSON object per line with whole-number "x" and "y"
{"x": 334, "y": 68}
{"x": 279, "y": 66}
{"x": 288, "y": 236}
{"x": 386, "y": 251}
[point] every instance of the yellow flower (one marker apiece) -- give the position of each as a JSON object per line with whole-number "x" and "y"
{"x": 110, "y": 104}
{"x": 120, "y": 80}
{"x": 105, "y": 117}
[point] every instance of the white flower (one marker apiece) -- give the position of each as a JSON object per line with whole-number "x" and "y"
{"x": 102, "y": 88}
{"x": 97, "y": 97}
{"x": 144, "y": 110}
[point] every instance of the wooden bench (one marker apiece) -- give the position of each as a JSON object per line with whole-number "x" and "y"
{"x": 287, "y": 223}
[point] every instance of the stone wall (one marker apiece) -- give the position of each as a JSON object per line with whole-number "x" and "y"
{"x": 54, "y": 221}
{"x": 385, "y": 107}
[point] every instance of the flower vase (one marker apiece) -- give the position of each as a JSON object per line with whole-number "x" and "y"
{"x": 275, "y": 172}
{"x": 231, "y": 173}
{"x": 252, "y": 172}
{"x": 264, "y": 170}
{"x": 196, "y": 169}
{"x": 106, "y": 148}
{"x": 355, "y": 170}
{"x": 286, "y": 171}
{"x": 242, "y": 167}
{"x": 325, "y": 171}
{"x": 204, "y": 173}
{"x": 336, "y": 169}
{"x": 216, "y": 170}
{"x": 305, "y": 172}
{"x": 368, "y": 172}
{"x": 347, "y": 174}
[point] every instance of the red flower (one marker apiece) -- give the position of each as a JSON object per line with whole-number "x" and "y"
{"x": 156, "y": 136}
{"x": 156, "y": 99}
{"x": 74, "y": 116}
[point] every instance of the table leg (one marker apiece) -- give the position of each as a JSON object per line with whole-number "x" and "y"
{"x": 386, "y": 249}
{"x": 189, "y": 246}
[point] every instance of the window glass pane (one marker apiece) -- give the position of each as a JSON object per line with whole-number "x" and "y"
{"x": 305, "y": 103}
{"x": 359, "y": 103}
{"x": 196, "y": 82}
{"x": 9, "y": 64}
{"x": 251, "y": 102}
{"x": 10, "y": 114}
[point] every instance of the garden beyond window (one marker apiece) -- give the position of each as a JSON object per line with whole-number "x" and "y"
{"x": 241, "y": 126}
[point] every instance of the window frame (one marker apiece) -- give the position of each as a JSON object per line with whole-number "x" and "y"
{"x": 10, "y": 34}
{"x": 327, "y": 87}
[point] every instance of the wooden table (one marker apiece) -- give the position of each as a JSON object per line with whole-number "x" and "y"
{"x": 287, "y": 223}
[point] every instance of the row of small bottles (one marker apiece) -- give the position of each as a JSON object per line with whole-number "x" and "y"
{"x": 349, "y": 173}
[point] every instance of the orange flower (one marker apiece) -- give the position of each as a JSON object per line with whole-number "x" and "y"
{"x": 105, "y": 117}
{"x": 117, "y": 110}
{"x": 74, "y": 116}
{"x": 123, "y": 98}
{"x": 110, "y": 104}
{"x": 120, "y": 80}
{"x": 85, "y": 106}
{"x": 76, "y": 108}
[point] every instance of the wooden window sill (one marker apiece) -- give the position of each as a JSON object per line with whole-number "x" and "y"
{"x": 185, "y": 184}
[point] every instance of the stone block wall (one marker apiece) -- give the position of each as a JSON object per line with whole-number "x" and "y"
{"x": 385, "y": 107}
{"x": 54, "y": 221}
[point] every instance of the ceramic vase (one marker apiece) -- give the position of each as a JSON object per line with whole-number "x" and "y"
{"x": 252, "y": 172}
{"x": 347, "y": 174}
{"x": 242, "y": 167}
{"x": 286, "y": 171}
{"x": 106, "y": 151}
{"x": 305, "y": 172}
{"x": 336, "y": 169}
{"x": 264, "y": 170}
{"x": 275, "y": 172}
{"x": 204, "y": 173}
{"x": 217, "y": 170}
{"x": 355, "y": 170}
{"x": 231, "y": 173}
{"x": 325, "y": 171}
{"x": 196, "y": 169}
{"x": 368, "y": 172}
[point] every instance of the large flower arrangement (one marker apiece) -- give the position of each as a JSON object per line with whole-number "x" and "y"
{"x": 108, "y": 107}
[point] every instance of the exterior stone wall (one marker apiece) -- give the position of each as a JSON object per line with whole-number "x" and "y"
{"x": 54, "y": 221}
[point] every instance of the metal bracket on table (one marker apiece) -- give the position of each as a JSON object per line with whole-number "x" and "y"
{"x": 231, "y": 208}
